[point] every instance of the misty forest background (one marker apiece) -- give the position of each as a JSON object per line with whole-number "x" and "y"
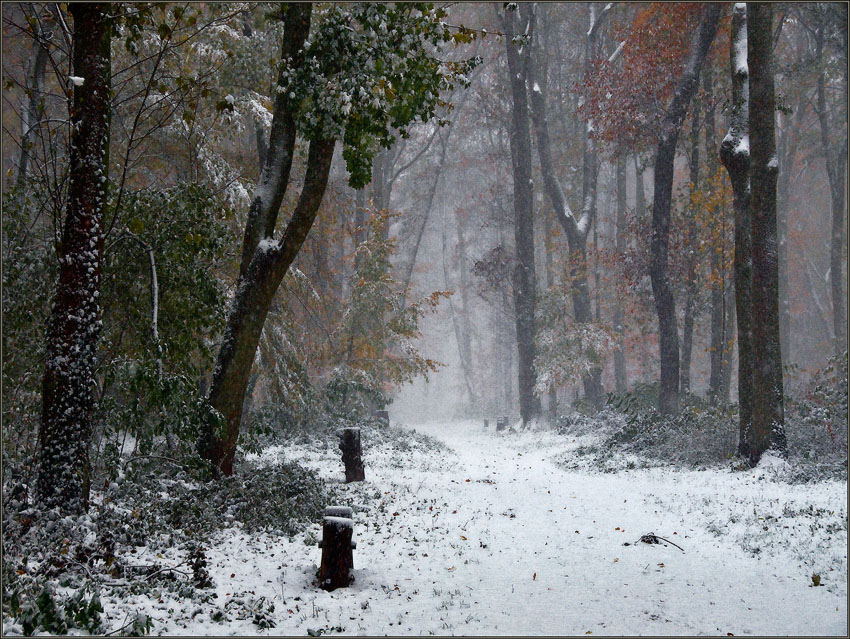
{"x": 231, "y": 224}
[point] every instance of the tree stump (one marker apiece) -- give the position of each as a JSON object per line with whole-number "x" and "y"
{"x": 349, "y": 444}
{"x": 501, "y": 423}
{"x": 337, "y": 555}
{"x": 486, "y": 423}
{"x": 383, "y": 416}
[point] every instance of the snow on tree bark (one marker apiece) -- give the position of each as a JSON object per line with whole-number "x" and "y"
{"x": 68, "y": 384}
{"x": 245, "y": 321}
{"x": 735, "y": 155}
{"x": 665, "y": 304}
{"x": 575, "y": 230}
{"x": 261, "y": 271}
{"x": 768, "y": 422}
{"x": 345, "y": 84}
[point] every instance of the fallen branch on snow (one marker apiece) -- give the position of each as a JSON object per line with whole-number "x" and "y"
{"x": 652, "y": 538}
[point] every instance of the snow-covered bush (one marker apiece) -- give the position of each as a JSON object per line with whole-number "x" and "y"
{"x": 567, "y": 351}
{"x": 702, "y": 435}
{"x": 55, "y": 569}
{"x": 816, "y": 423}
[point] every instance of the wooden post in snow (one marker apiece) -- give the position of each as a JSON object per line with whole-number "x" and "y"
{"x": 337, "y": 546}
{"x": 349, "y": 444}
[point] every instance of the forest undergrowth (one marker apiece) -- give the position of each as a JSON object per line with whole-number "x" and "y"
{"x": 632, "y": 434}
{"x": 56, "y": 570}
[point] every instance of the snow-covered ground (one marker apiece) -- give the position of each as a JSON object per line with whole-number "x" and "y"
{"x": 494, "y": 535}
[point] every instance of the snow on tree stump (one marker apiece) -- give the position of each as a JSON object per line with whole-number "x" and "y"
{"x": 337, "y": 555}
{"x": 339, "y": 511}
{"x": 383, "y": 417}
{"x": 501, "y": 423}
{"x": 349, "y": 444}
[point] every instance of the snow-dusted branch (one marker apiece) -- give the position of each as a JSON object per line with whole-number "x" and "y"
{"x": 596, "y": 21}
{"x": 154, "y": 297}
{"x": 737, "y": 141}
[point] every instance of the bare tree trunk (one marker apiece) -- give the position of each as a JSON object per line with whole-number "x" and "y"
{"x": 735, "y": 155}
{"x": 691, "y": 260}
{"x": 718, "y": 273}
{"x": 729, "y": 336}
{"x": 34, "y": 108}
{"x": 525, "y": 282}
{"x": 668, "y": 338}
{"x": 576, "y": 230}
{"x": 836, "y": 168}
{"x": 74, "y": 325}
{"x": 429, "y": 202}
{"x": 263, "y": 267}
{"x": 247, "y": 315}
{"x": 620, "y": 380}
{"x": 461, "y": 337}
{"x": 550, "y": 282}
{"x": 465, "y": 323}
{"x": 788, "y": 138}
{"x": 768, "y": 427}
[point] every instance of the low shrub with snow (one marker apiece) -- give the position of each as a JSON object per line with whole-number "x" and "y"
{"x": 55, "y": 569}
{"x": 633, "y": 433}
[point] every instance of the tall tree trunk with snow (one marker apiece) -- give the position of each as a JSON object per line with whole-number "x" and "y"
{"x": 575, "y": 230}
{"x": 836, "y": 169}
{"x": 525, "y": 282}
{"x": 254, "y": 294}
{"x": 74, "y": 325}
{"x": 718, "y": 272}
{"x": 264, "y": 261}
{"x": 768, "y": 426}
{"x": 665, "y": 305}
{"x": 735, "y": 155}
{"x": 620, "y": 380}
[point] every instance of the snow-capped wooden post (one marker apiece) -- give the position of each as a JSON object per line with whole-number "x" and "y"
{"x": 339, "y": 511}
{"x": 501, "y": 423}
{"x": 486, "y": 423}
{"x": 349, "y": 444}
{"x": 383, "y": 416}
{"x": 337, "y": 546}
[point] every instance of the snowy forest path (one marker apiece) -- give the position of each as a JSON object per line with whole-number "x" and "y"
{"x": 530, "y": 548}
{"x": 516, "y": 533}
